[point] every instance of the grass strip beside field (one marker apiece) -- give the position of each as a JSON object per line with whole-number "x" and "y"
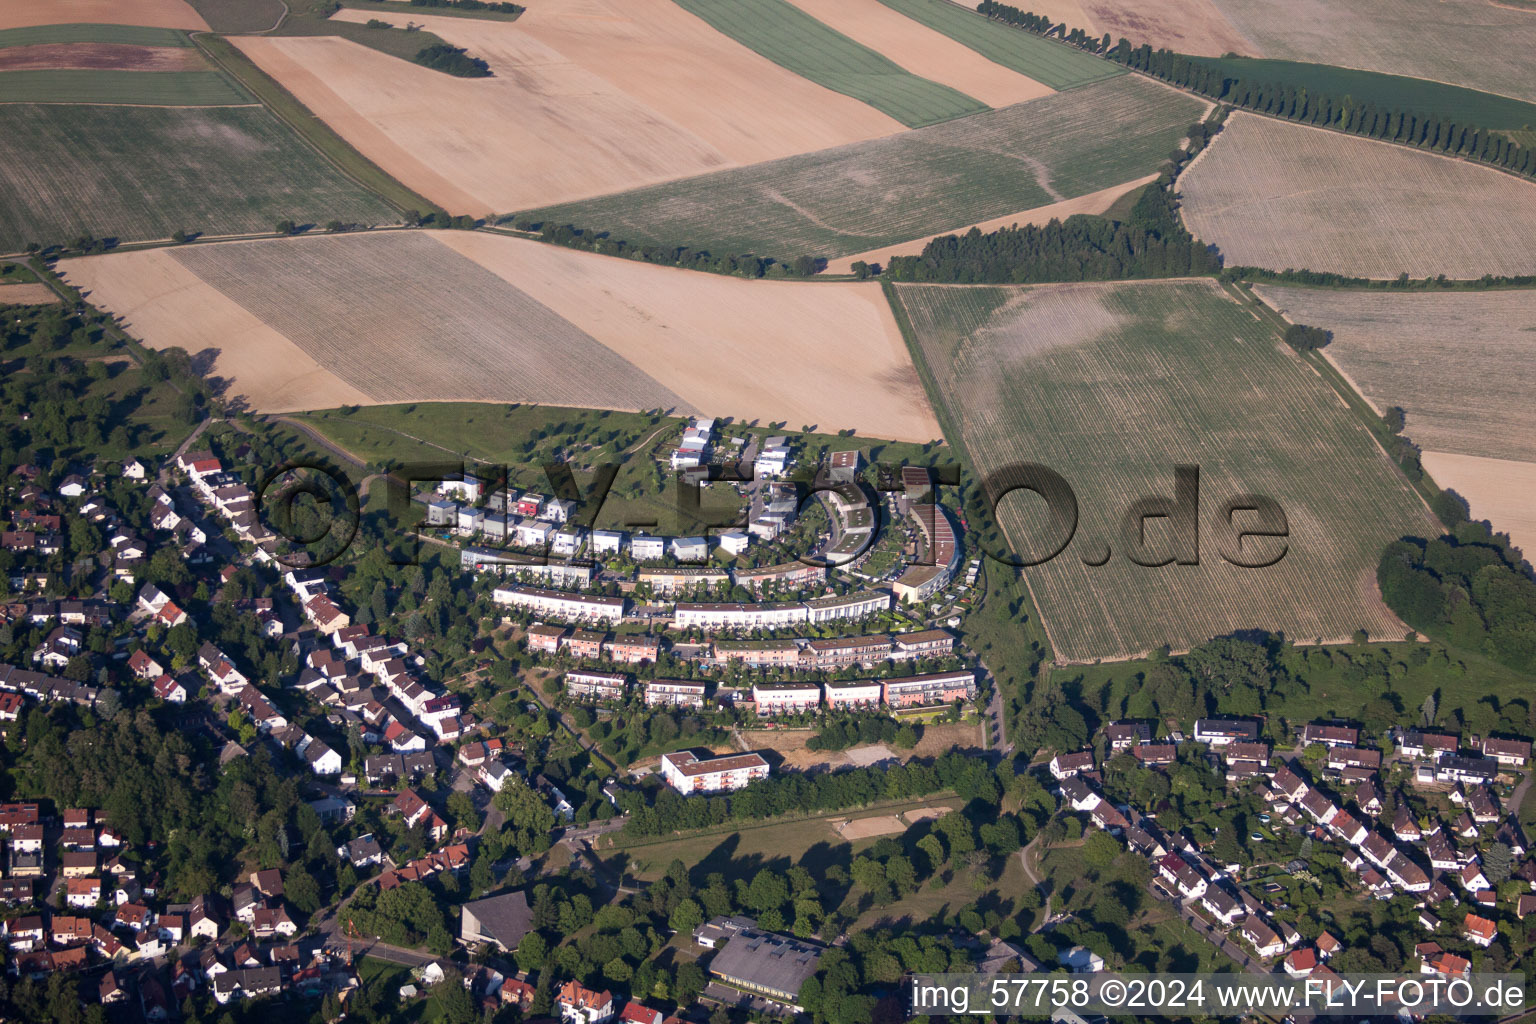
{"x": 123, "y": 88}
{"x": 85, "y": 32}
{"x": 859, "y": 197}
{"x": 1054, "y": 64}
{"x": 310, "y": 128}
{"x": 1389, "y": 92}
{"x": 793, "y": 39}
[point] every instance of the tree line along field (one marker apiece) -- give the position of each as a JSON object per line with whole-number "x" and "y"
{"x": 1473, "y": 43}
{"x": 855, "y": 198}
{"x": 1389, "y": 92}
{"x": 143, "y": 173}
{"x": 1112, "y": 385}
{"x": 793, "y": 39}
{"x": 1462, "y": 365}
{"x": 1278, "y": 195}
{"x": 1054, "y": 64}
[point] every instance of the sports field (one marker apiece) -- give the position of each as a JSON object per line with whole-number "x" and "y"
{"x": 1279, "y": 195}
{"x": 407, "y": 316}
{"x": 794, "y": 39}
{"x": 1055, "y": 64}
{"x": 143, "y": 172}
{"x": 1477, "y": 43}
{"x": 860, "y": 197}
{"x": 1112, "y": 386}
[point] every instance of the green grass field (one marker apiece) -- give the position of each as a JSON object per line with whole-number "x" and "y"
{"x": 131, "y": 88}
{"x": 144, "y": 172}
{"x": 854, "y": 198}
{"x": 286, "y": 107}
{"x": 135, "y": 35}
{"x": 789, "y": 37}
{"x": 1056, "y": 64}
{"x": 1389, "y": 92}
{"x": 1112, "y": 386}
{"x": 240, "y": 15}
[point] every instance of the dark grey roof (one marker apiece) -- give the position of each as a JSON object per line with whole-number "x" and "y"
{"x": 505, "y": 918}
{"x": 767, "y": 962}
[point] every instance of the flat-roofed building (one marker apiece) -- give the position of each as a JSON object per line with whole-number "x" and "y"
{"x": 561, "y": 604}
{"x": 933, "y": 688}
{"x": 674, "y": 693}
{"x": 855, "y": 695}
{"x": 603, "y": 686}
{"x": 688, "y": 773}
{"x": 786, "y": 698}
{"x": 926, "y": 643}
{"x": 845, "y": 651}
{"x": 859, "y": 605}
{"x": 759, "y": 653}
{"x": 739, "y": 615}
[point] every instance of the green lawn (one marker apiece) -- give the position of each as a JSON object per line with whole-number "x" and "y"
{"x": 134, "y": 88}
{"x": 145, "y": 172}
{"x": 1055, "y": 64}
{"x": 136, "y": 35}
{"x": 1389, "y": 92}
{"x": 743, "y": 852}
{"x": 854, "y": 198}
{"x": 793, "y": 39}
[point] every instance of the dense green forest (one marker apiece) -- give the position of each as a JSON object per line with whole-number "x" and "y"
{"x": 452, "y": 60}
{"x": 1468, "y": 588}
{"x": 1152, "y": 242}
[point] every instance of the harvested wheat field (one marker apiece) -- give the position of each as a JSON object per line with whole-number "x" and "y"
{"x": 30, "y": 294}
{"x": 1093, "y": 203}
{"x": 923, "y": 51}
{"x": 460, "y": 316}
{"x": 1483, "y": 44}
{"x": 1113, "y": 385}
{"x": 1462, "y": 365}
{"x": 165, "y": 305}
{"x": 804, "y": 352}
{"x": 563, "y": 119}
{"x": 738, "y": 101}
{"x": 1195, "y": 27}
{"x": 150, "y": 13}
{"x": 1279, "y": 195}
{"x": 100, "y": 56}
{"x": 1500, "y": 491}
